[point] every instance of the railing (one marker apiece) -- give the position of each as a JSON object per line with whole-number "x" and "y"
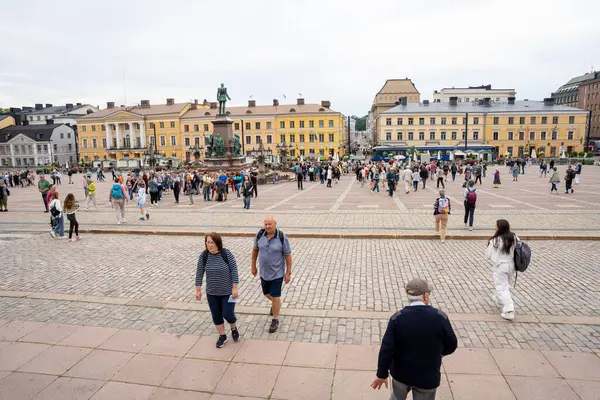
{"x": 127, "y": 148}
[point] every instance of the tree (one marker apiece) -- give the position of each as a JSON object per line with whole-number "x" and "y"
{"x": 361, "y": 122}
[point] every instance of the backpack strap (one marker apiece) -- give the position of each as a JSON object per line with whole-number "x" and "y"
{"x": 281, "y": 238}
{"x": 204, "y": 257}
{"x": 224, "y": 255}
{"x": 262, "y": 232}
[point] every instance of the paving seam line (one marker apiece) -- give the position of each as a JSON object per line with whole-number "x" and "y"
{"x": 182, "y": 306}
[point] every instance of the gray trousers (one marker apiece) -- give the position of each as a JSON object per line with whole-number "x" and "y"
{"x": 400, "y": 391}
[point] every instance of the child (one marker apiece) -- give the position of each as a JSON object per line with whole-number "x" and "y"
{"x": 142, "y": 200}
{"x": 57, "y": 220}
{"x": 415, "y": 178}
{"x": 496, "y": 178}
{"x": 70, "y": 206}
{"x": 189, "y": 189}
{"x": 91, "y": 195}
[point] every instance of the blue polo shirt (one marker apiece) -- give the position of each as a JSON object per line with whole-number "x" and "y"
{"x": 271, "y": 255}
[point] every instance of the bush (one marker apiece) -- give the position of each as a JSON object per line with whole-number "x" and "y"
{"x": 39, "y": 171}
{"x": 581, "y": 154}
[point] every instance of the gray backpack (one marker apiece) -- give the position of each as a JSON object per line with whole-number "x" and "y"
{"x": 522, "y": 257}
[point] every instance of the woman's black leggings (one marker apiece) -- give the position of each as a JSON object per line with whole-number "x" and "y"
{"x": 73, "y": 224}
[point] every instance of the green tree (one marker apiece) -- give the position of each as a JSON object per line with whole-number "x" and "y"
{"x": 361, "y": 122}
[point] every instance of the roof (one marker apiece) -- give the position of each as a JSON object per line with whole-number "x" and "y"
{"x": 282, "y": 109}
{"x": 142, "y": 111}
{"x": 574, "y": 83}
{"x": 2, "y": 116}
{"x": 398, "y": 86}
{"x": 30, "y": 131}
{"x": 494, "y": 107}
{"x": 56, "y": 110}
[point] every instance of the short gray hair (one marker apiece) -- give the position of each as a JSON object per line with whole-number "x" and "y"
{"x": 412, "y": 298}
{"x": 442, "y": 193}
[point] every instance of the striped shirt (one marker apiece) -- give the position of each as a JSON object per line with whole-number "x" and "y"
{"x": 220, "y": 277}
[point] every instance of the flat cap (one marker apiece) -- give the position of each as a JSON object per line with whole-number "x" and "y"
{"x": 418, "y": 287}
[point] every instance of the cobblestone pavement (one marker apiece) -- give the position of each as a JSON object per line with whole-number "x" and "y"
{"x": 347, "y": 208}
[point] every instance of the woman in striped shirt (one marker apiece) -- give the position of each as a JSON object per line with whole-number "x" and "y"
{"x": 221, "y": 285}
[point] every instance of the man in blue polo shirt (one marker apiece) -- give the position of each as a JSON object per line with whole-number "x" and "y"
{"x": 412, "y": 347}
{"x": 272, "y": 249}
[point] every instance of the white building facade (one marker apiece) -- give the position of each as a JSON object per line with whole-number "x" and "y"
{"x": 473, "y": 93}
{"x": 66, "y": 114}
{"x": 33, "y": 145}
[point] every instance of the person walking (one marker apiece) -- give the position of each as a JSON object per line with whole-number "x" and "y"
{"x": 329, "y": 175}
{"x": 153, "y": 189}
{"x": 453, "y": 170}
{"x": 440, "y": 178}
{"x": 299, "y": 178}
{"x": 375, "y": 182}
{"x": 70, "y": 207}
{"x": 4, "y": 193}
{"x": 415, "y": 179}
{"x": 497, "y": 178}
{"x": 501, "y": 252}
{"x": 554, "y": 180}
{"x": 515, "y": 172}
{"x": 424, "y": 175}
{"x": 141, "y": 199}
{"x": 577, "y": 173}
{"x": 569, "y": 176}
{"x": 117, "y": 198}
{"x": 391, "y": 181}
{"x": 441, "y": 210}
{"x": 470, "y": 198}
{"x": 44, "y": 187}
{"x": 254, "y": 180}
{"x": 57, "y": 220}
{"x": 477, "y": 172}
{"x": 407, "y": 178}
{"x": 221, "y": 285}
{"x": 247, "y": 191}
{"x": 415, "y": 340}
{"x": 85, "y": 186}
{"x": 177, "y": 189}
{"x": 274, "y": 253}
{"x": 91, "y": 195}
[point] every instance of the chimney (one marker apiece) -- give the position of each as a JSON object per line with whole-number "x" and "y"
{"x": 453, "y": 101}
{"x": 548, "y": 101}
{"x": 110, "y": 104}
{"x": 194, "y": 105}
{"x": 275, "y": 102}
{"x": 251, "y": 103}
{"x": 170, "y": 102}
{"x": 49, "y": 121}
{"x": 48, "y": 105}
{"x": 213, "y": 105}
{"x": 145, "y": 103}
{"x": 326, "y": 104}
{"x": 69, "y": 105}
{"x": 204, "y": 102}
{"x": 425, "y": 102}
{"x": 39, "y": 107}
{"x": 78, "y": 104}
{"x": 300, "y": 102}
{"x": 511, "y": 100}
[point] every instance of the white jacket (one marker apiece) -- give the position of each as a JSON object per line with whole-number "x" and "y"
{"x": 56, "y": 203}
{"x": 495, "y": 254}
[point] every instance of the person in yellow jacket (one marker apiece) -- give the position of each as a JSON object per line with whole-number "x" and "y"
{"x": 91, "y": 195}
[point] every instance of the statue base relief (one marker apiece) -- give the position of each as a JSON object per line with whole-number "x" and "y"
{"x": 223, "y": 127}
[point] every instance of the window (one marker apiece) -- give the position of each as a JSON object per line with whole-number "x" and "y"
{"x": 93, "y": 128}
{"x": 173, "y": 140}
{"x": 322, "y": 137}
{"x": 496, "y": 120}
{"x": 509, "y": 150}
{"x": 421, "y": 121}
{"x": 172, "y": 124}
{"x": 544, "y": 120}
{"x": 84, "y": 141}
{"x": 476, "y": 121}
{"x": 269, "y": 139}
{"x": 83, "y": 128}
{"x": 292, "y": 124}
{"x": 466, "y": 99}
{"x": 302, "y": 152}
{"x": 186, "y": 141}
{"x": 302, "y": 138}
{"x": 269, "y": 125}
{"x": 162, "y": 125}
{"x": 570, "y": 135}
{"x": 399, "y": 136}
{"x": 186, "y": 128}
{"x": 257, "y": 137}
{"x": 257, "y": 125}
{"x": 331, "y": 137}
{"x": 476, "y": 135}
{"x": 443, "y": 136}
{"x": 331, "y": 123}
{"x": 292, "y": 138}
{"x": 454, "y": 121}
{"x": 571, "y": 119}
{"x": 464, "y": 121}
{"x": 38, "y": 117}
{"x": 421, "y": 135}
{"x": 532, "y": 135}
{"x": 511, "y": 135}
{"x": 497, "y": 98}
{"x": 68, "y": 135}
{"x": 521, "y": 120}
{"x": 555, "y": 120}
{"x": 311, "y": 137}
{"x": 410, "y": 121}
{"x": 151, "y": 125}
{"x": 454, "y": 135}
{"x": 311, "y": 124}
{"x": 94, "y": 143}
{"x": 554, "y": 135}
{"x": 322, "y": 123}
{"x": 301, "y": 124}
{"x": 411, "y": 135}
{"x": 248, "y": 126}
{"x": 431, "y": 135}
{"x": 521, "y": 135}
{"x": 543, "y": 135}
{"x": 248, "y": 139}
{"x": 443, "y": 120}
{"x": 163, "y": 141}
{"x": 399, "y": 121}
{"x": 282, "y": 124}
{"x": 46, "y": 146}
{"x": 104, "y": 142}
{"x": 511, "y": 120}
{"x": 388, "y": 136}
{"x": 236, "y": 126}
{"x": 62, "y": 135}
{"x": 532, "y": 120}
{"x": 197, "y": 128}
{"x": 464, "y": 135}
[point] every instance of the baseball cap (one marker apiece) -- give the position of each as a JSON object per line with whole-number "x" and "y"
{"x": 417, "y": 287}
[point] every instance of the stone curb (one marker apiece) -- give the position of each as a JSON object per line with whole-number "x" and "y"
{"x": 294, "y": 312}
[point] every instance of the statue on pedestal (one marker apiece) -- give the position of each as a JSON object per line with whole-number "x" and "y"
{"x": 218, "y": 149}
{"x": 237, "y": 146}
{"x": 222, "y": 98}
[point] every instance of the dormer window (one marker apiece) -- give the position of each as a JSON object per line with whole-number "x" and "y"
{"x": 292, "y": 110}
{"x": 207, "y": 113}
{"x": 248, "y": 112}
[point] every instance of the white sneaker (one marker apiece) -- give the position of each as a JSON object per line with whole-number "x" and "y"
{"x": 53, "y": 234}
{"x": 118, "y": 222}
{"x": 471, "y": 228}
{"x": 508, "y": 315}
{"x": 123, "y": 221}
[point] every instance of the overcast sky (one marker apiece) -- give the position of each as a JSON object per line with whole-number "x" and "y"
{"x": 342, "y": 51}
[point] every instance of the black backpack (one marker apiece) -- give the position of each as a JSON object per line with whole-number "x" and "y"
{"x": 522, "y": 257}
{"x": 571, "y": 174}
{"x": 262, "y": 232}
{"x": 54, "y": 211}
{"x": 205, "y": 257}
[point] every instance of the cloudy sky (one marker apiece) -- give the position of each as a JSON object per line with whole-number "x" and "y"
{"x": 337, "y": 50}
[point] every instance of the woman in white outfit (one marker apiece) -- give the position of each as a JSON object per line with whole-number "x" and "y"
{"x": 501, "y": 252}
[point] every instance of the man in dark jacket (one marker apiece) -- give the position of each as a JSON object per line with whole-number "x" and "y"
{"x": 413, "y": 345}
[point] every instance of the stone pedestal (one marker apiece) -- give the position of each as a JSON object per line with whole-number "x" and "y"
{"x": 223, "y": 126}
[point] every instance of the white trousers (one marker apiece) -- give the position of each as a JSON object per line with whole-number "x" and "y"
{"x": 504, "y": 275}
{"x": 577, "y": 179}
{"x": 406, "y": 186}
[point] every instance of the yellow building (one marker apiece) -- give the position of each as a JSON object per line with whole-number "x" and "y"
{"x": 491, "y": 129}
{"x": 307, "y": 130}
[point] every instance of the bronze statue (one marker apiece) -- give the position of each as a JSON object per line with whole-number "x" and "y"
{"x": 237, "y": 146}
{"x": 222, "y": 97}
{"x": 218, "y": 149}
